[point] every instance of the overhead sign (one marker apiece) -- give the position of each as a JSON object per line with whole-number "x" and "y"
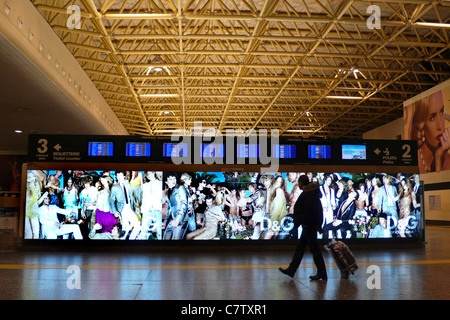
{"x": 393, "y": 152}
{"x": 53, "y": 148}
{"x": 137, "y": 149}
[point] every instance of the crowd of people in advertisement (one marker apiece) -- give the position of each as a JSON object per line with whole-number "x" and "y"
{"x": 156, "y": 205}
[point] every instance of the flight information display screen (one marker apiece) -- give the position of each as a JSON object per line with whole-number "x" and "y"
{"x": 138, "y": 149}
{"x": 101, "y": 149}
{"x": 319, "y": 151}
{"x": 175, "y": 150}
{"x": 284, "y": 151}
{"x": 213, "y": 150}
{"x": 248, "y": 151}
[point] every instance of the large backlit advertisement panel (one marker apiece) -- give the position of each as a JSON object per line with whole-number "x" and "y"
{"x": 427, "y": 120}
{"x": 161, "y": 205}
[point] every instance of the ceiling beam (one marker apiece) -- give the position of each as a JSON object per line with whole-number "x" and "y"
{"x": 113, "y": 55}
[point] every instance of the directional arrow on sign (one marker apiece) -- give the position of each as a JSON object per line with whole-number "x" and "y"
{"x": 57, "y": 147}
{"x": 377, "y": 151}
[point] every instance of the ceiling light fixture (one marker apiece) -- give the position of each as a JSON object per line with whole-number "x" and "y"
{"x": 18, "y": 131}
{"x": 432, "y": 24}
{"x": 158, "y": 67}
{"x": 345, "y": 97}
{"x": 300, "y": 130}
{"x": 160, "y": 95}
{"x": 352, "y": 69}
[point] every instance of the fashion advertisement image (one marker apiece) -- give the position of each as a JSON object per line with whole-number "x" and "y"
{"x": 161, "y": 205}
{"x": 427, "y": 120}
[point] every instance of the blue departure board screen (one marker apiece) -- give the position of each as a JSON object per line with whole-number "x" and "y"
{"x": 138, "y": 149}
{"x": 175, "y": 150}
{"x": 101, "y": 149}
{"x": 247, "y": 151}
{"x": 319, "y": 151}
{"x": 284, "y": 151}
{"x": 213, "y": 150}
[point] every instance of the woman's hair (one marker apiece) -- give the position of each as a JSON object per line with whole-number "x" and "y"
{"x": 184, "y": 177}
{"x": 378, "y": 182}
{"x": 218, "y": 201}
{"x": 388, "y": 178}
{"x": 401, "y": 189}
{"x": 362, "y": 184}
{"x": 108, "y": 179}
{"x": 267, "y": 177}
{"x": 418, "y": 122}
{"x": 277, "y": 185}
{"x": 158, "y": 175}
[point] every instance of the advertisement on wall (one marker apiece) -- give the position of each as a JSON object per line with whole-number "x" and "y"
{"x": 427, "y": 120}
{"x": 161, "y": 205}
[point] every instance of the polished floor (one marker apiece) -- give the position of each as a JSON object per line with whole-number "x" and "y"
{"x": 407, "y": 273}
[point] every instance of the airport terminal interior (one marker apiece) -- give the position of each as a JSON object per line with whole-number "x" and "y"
{"x": 105, "y": 193}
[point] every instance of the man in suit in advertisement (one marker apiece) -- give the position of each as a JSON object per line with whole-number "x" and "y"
{"x": 176, "y": 220}
{"x": 120, "y": 202}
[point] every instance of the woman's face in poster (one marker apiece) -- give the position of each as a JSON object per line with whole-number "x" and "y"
{"x": 435, "y": 121}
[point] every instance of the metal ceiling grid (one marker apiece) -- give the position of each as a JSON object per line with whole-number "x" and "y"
{"x": 309, "y": 68}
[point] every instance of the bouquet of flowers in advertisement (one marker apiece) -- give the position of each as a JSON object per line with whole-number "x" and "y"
{"x": 234, "y": 230}
{"x": 361, "y": 223}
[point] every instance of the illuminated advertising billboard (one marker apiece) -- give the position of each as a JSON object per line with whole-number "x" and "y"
{"x": 161, "y": 205}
